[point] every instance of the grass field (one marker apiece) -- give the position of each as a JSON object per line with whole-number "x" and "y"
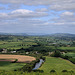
{"x": 67, "y": 48}
{"x": 5, "y": 65}
{"x": 57, "y": 64}
{"x": 16, "y": 45}
{"x": 70, "y": 54}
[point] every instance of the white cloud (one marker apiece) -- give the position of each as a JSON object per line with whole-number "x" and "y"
{"x": 67, "y": 13}
{"x": 42, "y": 10}
{"x": 54, "y": 4}
{"x": 66, "y": 18}
{"x": 22, "y": 13}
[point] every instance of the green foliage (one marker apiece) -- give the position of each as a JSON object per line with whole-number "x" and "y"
{"x": 56, "y": 54}
{"x": 64, "y": 71}
{"x": 52, "y": 71}
{"x": 72, "y": 60}
{"x": 15, "y": 61}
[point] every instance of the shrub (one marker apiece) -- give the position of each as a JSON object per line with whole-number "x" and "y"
{"x": 72, "y": 71}
{"x": 52, "y": 71}
{"x": 72, "y": 60}
{"x": 15, "y": 61}
{"x": 64, "y": 71}
{"x": 56, "y": 54}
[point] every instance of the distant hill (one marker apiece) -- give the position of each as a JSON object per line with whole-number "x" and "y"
{"x": 17, "y": 34}
{"x": 62, "y": 35}
{"x": 40, "y": 34}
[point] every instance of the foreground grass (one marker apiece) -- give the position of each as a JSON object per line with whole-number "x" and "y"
{"x": 33, "y": 73}
{"x": 4, "y": 65}
{"x": 57, "y": 64}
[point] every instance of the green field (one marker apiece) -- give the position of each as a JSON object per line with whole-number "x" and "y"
{"x": 70, "y": 54}
{"x": 16, "y": 45}
{"x": 67, "y": 48}
{"x": 57, "y": 64}
{"x": 5, "y": 65}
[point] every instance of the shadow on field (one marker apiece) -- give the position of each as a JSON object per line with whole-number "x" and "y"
{"x": 41, "y": 71}
{"x": 4, "y": 63}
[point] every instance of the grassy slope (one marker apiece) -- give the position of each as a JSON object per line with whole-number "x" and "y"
{"x": 10, "y": 66}
{"x": 57, "y": 64}
{"x": 70, "y": 54}
{"x": 67, "y": 48}
{"x": 16, "y": 45}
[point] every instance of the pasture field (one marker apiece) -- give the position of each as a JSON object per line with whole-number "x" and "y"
{"x": 5, "y": 61}
{"x": 57, "y": 64}
{"x": 70, "y": 54}
{"x": 16, "y": 45}
{"x": 67, "y": 48}
{"x": 8, "y": 66}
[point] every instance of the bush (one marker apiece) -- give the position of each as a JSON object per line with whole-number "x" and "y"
{"x": 65, "y": 57}
{"x": 44, "y": 58}
{"x": 15, "y": 61}
{"x": 64, "y": 71}
{"x": 72, "y": 60}
{"x": 72, "y": 71}
{"x": 56, "y": 54}
{"x": 52, "y": 71}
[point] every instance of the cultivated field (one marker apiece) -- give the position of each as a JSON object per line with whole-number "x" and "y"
{"x": 8, "y": 66}
{"x": 71, "y": 54}
{"x": 21, "y": 58}
{"x": 67, "y": 48}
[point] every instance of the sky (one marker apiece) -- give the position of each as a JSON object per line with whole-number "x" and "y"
{"x": 37, "y": 16}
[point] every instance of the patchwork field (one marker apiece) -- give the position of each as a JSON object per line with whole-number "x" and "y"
{"x": 67, "y": 48}
{"x": 8, "y": 66}
{"x": 70, "y": 54}
{"x": 57, "y": 64}
{"x": 21, "y": 58}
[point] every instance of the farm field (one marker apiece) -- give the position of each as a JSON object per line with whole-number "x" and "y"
{"x": 8, "y": 66}
{"x": 21, "y": 58}
{"x": 67, "y": 48}
{"x": 70, "y": 54}
{"x": 57, "y": 64}
{"x": 16, "y": 45}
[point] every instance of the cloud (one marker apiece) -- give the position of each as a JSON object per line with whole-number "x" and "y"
{"x": 2, "y": 8}
{"x": 54, "y": 4}
{"x": 13, "y": 6}
{"x": 67, "y": 13}
{"x": 42, "y": 10}
{"x": 66, "y": 18}
{"x": 26, "y": 2}
{"x": 63, "y": 6}
{"x": 22, "y": 13}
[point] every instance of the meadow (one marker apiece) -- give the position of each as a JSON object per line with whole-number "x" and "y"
{"x": 37, "y": 46}
{"x": 33, "y": 73}
{"x": 16, "y": 45}
{"x": 67, "y": 48}
{"x": 7, "y": 63}
{"x": 8, "y": 66}
{"x": 71, "y": 54}
{"x": 57, "y": 64}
